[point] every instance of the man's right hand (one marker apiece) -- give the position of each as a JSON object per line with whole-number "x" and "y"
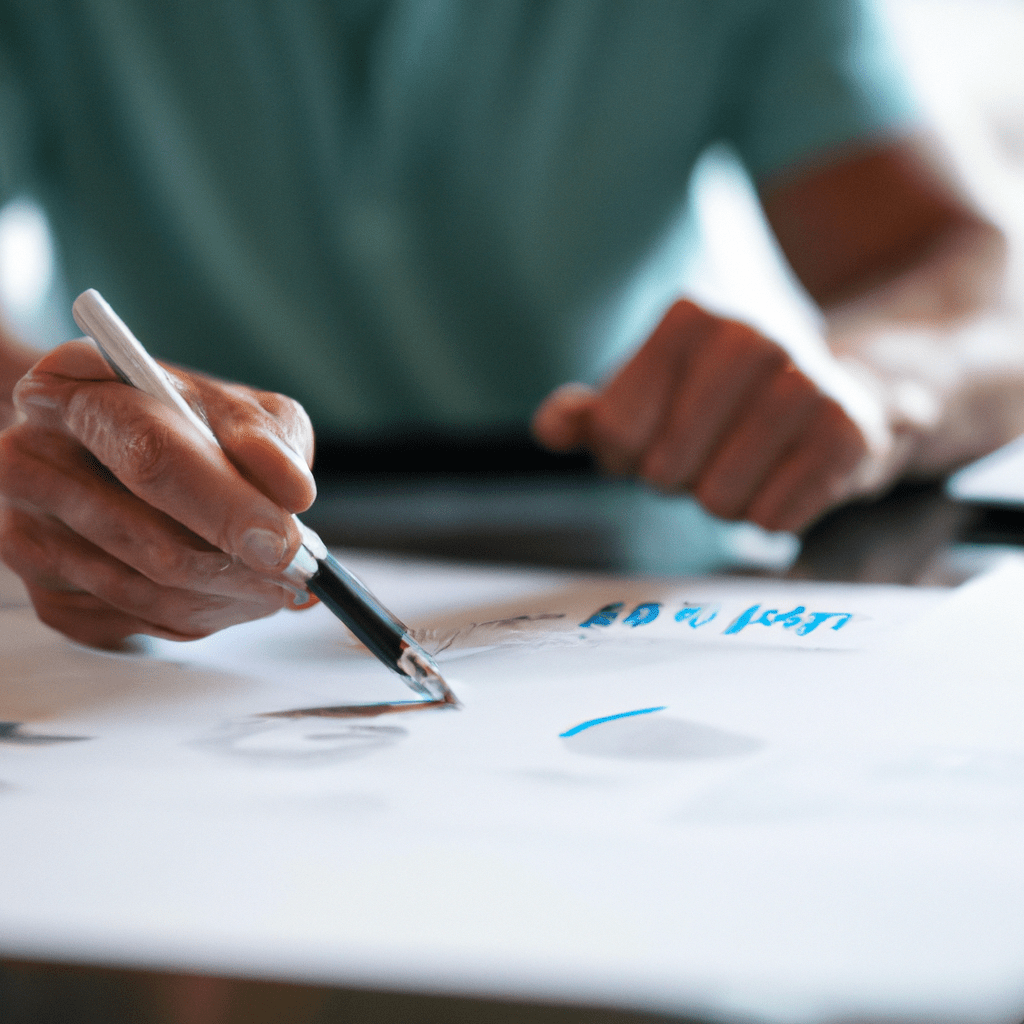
{"x": 121, "y": 519}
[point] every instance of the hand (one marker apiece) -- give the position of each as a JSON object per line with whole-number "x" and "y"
{"x": 711, "y": 407}
{"x": 121, "y": 519}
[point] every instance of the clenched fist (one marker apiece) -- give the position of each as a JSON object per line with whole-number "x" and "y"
{"x": 711, "y": 407}
{"x": 122, "y": 519}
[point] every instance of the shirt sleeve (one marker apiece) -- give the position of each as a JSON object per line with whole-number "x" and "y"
{"x": 821, "y": 74}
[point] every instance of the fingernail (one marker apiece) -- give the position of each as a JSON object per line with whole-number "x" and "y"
{"x": 30, "y": 392}
{"x": 261, "y": 547}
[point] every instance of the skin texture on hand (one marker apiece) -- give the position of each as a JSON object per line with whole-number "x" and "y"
{"x": 709, "y": 406}
{"x": 884, "y": 243}
{"x": 122, "y": 519}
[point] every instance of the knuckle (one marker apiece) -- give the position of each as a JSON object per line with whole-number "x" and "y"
{"x": 143, "y": 451}
{"x": 772, "y": 358}
{"x": 675, "y": 320}
{"x": 78, "y": 359}
{"x": 685, "y": 313}
{"x": 682, "y": 324}
{"x": 136, "y": 450}
{"x": 290, "y": 421}
{"x": 299, "y": 433}
{"x": 742, "y": 342}
{"x": 192, "y": 619}
{"x": 789, "y": 383}
{"x": 682, "y": 310}
{"x": 279, "y": 406}
{"x": 44, "y": 390}
{"x": 170, "y": 565}
{"x": 218, "y": 613}
{"x": 196, "y": 616}
{"x": 266, "y": 411}
{"x": 236, "y": 401}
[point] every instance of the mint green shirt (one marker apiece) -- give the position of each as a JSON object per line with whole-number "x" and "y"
{"x": 404, "y": 214}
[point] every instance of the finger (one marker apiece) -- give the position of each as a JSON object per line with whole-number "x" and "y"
{"x": 87, "y": 619}
{"x": 631, "y": 408}
{"x": 815, "y": 475}
{"x": 762, "y": 433}
{"x": 51, "y": 473}
{"x": 56, "y": 563}
{"x": 268, "y": 437}
{"x": 90, "y": 620}
{"x": 79, "y": 360}
{"x": 561, "y": 422}
{"x": 165, "y": 462}
{"x": 729, "y": 366}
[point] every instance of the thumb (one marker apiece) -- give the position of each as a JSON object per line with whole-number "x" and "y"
{"x": 562, "y": 421}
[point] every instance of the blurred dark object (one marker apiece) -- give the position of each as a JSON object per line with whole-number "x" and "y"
{"x": 893, "y": 539}
{"x": 485, "y": 498}
{"x": 914, "y": 534}
{"x": 425, "y": 453}
{"x": 39, "y": 993}
{"x": 503, "y": 499}
{"x": 994, "y": 524}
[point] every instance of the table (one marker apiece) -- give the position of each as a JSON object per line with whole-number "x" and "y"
{"x": 847, "y": 546}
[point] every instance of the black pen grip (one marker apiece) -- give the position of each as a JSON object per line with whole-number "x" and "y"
{"x": 368, "y": 619}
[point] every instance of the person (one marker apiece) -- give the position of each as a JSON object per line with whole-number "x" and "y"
{"x": 420, "y": 217}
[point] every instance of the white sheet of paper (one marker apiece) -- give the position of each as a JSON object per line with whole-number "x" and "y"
{"x": 794, "y": 800}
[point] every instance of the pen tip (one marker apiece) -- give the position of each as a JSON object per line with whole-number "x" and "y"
{"x": 423, "y": 675}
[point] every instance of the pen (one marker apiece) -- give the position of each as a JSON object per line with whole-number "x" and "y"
{"x": 314, "y": 568}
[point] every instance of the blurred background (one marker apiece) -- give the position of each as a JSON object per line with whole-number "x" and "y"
{"x": 964, "y": 57}
{"x": 966, "y": 60}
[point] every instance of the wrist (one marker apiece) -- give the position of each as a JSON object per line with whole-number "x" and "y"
{"x": 913, "y": 409}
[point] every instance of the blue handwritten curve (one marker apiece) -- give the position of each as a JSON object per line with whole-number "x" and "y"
{"x": 607, "y": 718}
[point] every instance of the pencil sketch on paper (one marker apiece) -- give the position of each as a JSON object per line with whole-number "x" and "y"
{"x": 393, "y": 707}
{"x": 508, "y": 630}
{"x": 268, "y": 742}
{"x": 15, "y": 734}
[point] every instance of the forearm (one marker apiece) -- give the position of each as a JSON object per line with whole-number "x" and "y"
{"x": 943, "y": 348}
